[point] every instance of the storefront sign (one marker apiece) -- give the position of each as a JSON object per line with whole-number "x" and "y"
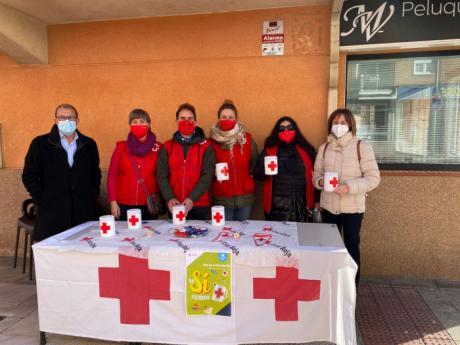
{"x": 273, "y": 38}
{"x": 373, "y": 22}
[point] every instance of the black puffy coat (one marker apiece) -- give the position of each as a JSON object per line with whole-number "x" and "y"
{"x": 66, "y": 196}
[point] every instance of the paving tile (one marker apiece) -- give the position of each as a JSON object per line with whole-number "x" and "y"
{"x": 14, "y": 294}
{"x": 20, "y": 310}
{"x": 8, "y": 322}
{"x": 412, "y": 282}
{"x": 15, "y": 340}
{"x": 27, "y": 327}
{"x": 448, "y": 284}
{"x": 57, "y": 339}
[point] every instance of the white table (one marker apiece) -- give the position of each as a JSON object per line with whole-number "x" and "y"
{"x": 298, "y": 258}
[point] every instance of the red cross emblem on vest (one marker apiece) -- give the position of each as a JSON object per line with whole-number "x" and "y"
{"x": 133, "y": 220}
{"x": 286, "y": 289}
{"x": 134, "y": 284}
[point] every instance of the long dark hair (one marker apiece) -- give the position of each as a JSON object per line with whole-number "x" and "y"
{"x": 299, "y": 138}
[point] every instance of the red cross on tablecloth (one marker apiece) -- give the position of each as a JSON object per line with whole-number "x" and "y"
{"x": 133, "y": 220}
{"x": 218, "y": 217}
{"x": 334, "y": 182}
{"x": 134, "y": 284}
{"x": 272, "y": 166}
{"x": 105, "y": 228}
{"x": 180, "y": 215}
{"x": 286, "y": 289}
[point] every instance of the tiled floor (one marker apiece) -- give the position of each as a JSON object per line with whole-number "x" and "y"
{"x": 389, "y": 312}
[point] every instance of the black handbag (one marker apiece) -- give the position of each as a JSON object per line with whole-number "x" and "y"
{"x": 155, "y": 202}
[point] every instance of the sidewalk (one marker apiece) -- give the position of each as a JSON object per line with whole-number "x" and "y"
{"x": 389, "y": 311}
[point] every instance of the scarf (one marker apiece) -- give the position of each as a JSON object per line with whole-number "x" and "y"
{"x": 186, "y": 141}
{"x": 141, "y": 149}
{"x": 228, "y": 139}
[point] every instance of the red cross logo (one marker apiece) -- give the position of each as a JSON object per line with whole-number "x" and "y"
{"x": 272, "y": 166}
{"x": 105, "y": 228}
{"x": 286, "y": 289}
{"x": 218, "y": 217}
{"x": 133, "y": 220}
{"x": 334, "y": 182}
{"x": 180, "y": 215}
{"x": 219, "y": 293}
{"x": 86, "y": 239}
{"x": 134, "y": 284}
{"x": 224, "y": 171}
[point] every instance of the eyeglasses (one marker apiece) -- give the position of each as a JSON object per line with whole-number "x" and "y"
{"x": 290, "y": 127}
{"x": 63, "y": 118}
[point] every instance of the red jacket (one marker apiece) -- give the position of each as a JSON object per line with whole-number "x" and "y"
{"x": 240, "y": 181}
{"x": 184, "y": 174}
{"x": 272, "y": 151}
{"x": 122, "y": 183}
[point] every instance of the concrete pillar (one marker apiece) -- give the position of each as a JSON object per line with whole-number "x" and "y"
{"x": 22, "y": 37}
{"x": 332, "y": 98}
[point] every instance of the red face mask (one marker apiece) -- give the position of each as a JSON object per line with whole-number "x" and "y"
{"x": 139, "y": 131}
{"x": 226, "y": 125}
{"x": 286, "y": 136}
{"x": 186, "y": 127}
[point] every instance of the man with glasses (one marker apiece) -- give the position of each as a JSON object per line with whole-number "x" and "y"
{"x": 61, "y": 173}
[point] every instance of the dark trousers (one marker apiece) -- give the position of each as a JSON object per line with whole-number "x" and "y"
{"x": 143, "y": 208}
{"x": 349, "y": 225}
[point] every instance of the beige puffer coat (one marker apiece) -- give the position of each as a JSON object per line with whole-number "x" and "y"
{"x": 361, "y": 177}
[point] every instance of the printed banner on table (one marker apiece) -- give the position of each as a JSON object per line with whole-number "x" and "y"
{"x": 209, "y": 283}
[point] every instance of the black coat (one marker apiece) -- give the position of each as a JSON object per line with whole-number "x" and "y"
{"x": 65, "y": 196}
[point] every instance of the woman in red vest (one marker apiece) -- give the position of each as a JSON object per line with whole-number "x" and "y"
{"x": 132, "y": 172}
{"x": 233, "y": 145}
{"x": 288, "y": 195}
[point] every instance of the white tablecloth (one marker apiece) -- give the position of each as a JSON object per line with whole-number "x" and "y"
{"x": 68, "y": 284}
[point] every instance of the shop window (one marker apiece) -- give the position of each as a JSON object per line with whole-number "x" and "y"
{"x": 408, "y": 108}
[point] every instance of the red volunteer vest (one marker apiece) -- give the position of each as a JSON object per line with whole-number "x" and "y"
{"x": 240, "y": 182}
{"x": 272, "y": 151}
{"x": 185, "y": 173}
{"x": 129, "y": 192}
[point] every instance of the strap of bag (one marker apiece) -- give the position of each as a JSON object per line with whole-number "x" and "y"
{"x": 357, "y": 148}
{"x": 359, "y": 151}
{"x": 140, "y": 180}
{"x": 325, "y": 148}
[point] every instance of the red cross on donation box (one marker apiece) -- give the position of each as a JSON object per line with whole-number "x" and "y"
{"x": 286, "y": 289}
{"x": 134, "y": 284}
{"x": 105, "y": 228}
{"x": 133, "y": 220}
{"x": 180, "y": 215}
{"x": 334, "y": 182}
{"x": 218, "y": 217}
{"x": 272, "y": 166}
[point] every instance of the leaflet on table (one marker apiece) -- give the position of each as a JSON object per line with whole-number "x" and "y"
{"x": 208, "y": 283}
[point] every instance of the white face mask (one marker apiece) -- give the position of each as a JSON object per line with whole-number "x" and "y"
{"x": 339, "y": 130}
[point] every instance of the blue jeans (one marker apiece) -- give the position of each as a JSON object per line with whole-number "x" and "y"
{"x": 239, "y": 214}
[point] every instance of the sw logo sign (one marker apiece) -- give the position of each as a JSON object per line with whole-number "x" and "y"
{"x": 368, "y": 22}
